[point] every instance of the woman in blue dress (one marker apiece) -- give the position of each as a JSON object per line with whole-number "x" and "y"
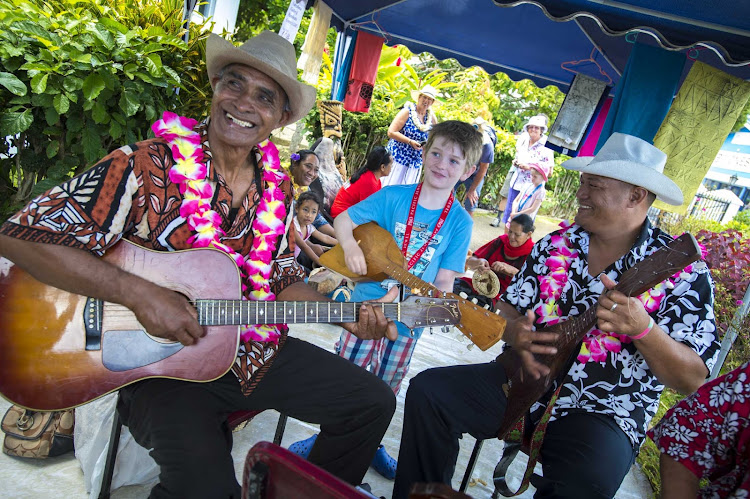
{"x": 407, "y": 133}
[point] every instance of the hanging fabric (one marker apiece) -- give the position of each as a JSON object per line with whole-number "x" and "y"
{"x": 592, "y": 138}
{"x": 343, "y": 63}
{"x": 576, "y": 116}
{"x": 644, "y": 93}
{"x": 364, "y": 71}
{"x": 702, "y": 115}
{"x": 311, "y": 57}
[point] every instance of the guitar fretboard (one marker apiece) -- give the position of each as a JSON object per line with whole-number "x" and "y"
{"x": 236, "y": 312}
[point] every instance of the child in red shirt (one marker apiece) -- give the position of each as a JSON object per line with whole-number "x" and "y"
{"x": 364, "y": 182}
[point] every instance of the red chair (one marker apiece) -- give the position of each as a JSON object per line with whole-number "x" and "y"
{"x": 233, "y": 420}
{"x": 273, "y": 472}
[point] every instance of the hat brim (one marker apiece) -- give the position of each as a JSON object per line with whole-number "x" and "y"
{"x": 220, "y": 53}
{"x": 658, "y": 183}
{"x": 544, "y": 128}
{"x": 416, "y": 93}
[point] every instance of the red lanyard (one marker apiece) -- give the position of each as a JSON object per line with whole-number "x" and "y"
{"x": 410, "y": 224}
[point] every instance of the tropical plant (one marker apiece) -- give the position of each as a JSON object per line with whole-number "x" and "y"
{"x": 80, "y": 78}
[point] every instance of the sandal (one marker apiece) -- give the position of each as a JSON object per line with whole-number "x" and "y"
{"x": 303, "y": 447}
{"x": 384, "y": 464}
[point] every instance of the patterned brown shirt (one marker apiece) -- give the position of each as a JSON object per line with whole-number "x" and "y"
{"x": 128, "y": 195}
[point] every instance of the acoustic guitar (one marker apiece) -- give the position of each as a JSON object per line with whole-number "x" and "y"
{"x": 384, "y": 259}
{"x": 524, "y": 391}
{"x": 59, "y": 350}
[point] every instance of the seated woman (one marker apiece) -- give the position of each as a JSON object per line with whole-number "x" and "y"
{"x": 365, "y": 181}
{"x": 504, "y": 255}
{"x": 304, "y": 169}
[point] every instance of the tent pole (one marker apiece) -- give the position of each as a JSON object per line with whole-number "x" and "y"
{"x": 585, "y": 33}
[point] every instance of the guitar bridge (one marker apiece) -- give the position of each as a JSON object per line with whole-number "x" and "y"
{"x": 92, "y": 323}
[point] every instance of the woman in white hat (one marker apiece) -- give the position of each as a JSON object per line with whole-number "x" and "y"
{"x": 407, "y": 133}
{"x": 529, "y": 149}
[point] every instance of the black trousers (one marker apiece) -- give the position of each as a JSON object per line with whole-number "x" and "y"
{"x": 185, "y": 423}
{"x": 583, "y": 455}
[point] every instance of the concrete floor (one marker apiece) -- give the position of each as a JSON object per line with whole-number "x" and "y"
{"x": 62, "y": 476}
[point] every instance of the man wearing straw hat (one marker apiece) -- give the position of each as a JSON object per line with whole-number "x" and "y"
{"x": 216, "y": 184}
{"x": 665, "y": 337}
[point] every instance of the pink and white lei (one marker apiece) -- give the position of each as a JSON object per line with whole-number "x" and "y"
{"x": 597, "y": 343}
{"x": 190, "y": 172}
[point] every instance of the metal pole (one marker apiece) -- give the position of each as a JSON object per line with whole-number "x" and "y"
{"x": 731, "y": 334}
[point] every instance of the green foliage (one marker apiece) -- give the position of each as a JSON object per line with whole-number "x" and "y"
{"x": 80, "y": 78}
{"x": 727, "y": 254}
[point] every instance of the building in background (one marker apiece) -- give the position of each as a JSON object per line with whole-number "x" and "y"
{"x": 731, "y": 168}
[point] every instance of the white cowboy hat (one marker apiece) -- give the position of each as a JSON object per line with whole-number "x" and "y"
{"x": 632, "y": 160}
{"x": 270, "y": 54}
{"x": 427, "y": 90}
{"x": 537, "y": 121}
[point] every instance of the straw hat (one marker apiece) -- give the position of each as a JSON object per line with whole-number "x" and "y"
{"x": 427, "y": 90}
{"x": 537, "y": 121}
{"x": 632, "y": 160}
{"x": 270, "y": 54}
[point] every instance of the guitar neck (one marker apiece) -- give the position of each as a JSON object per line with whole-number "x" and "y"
{"x": 408, "y": 279}
{"x": 236, "y": 312}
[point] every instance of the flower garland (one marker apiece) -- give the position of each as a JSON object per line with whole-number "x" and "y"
{"x": 597, "y": 343}
{"x": 190, "y": 172}
{"x": 423, "y": 127}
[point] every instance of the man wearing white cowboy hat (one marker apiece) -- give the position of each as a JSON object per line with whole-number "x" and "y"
{"x": 407, "y": 132}
{"x": 530, "y": 148}
{"x": 666, "y": 337}
{"x": 238, "y": 195}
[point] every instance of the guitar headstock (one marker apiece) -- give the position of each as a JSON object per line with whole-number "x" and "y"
{"x": 426, "y": 311}
{"x": 660, "y": 265}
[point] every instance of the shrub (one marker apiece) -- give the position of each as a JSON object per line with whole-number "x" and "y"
{"x": 80, "y": 78}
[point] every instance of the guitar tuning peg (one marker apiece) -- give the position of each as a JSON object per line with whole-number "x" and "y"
{"x": 470, "y": 346}
{"x": 474, "y": 301}
{"x": 463, "y": 295}
{"x": 497, "y": 311}
{"x": 487, "y": 306}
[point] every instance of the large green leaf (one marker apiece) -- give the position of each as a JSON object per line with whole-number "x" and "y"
{"x": 61, "y": 103}
{"x": 99, "y": 113}
{"x": 91, "y": 144}
{"x": 92, "y": 85}
{"x": 51, "y": 116}
{"x": 12, "y": 83}
{"x": 53, "y": 148}
{"x": 13, "y": 123}
{"x": 113, "y": 25}
{"x": 129, "y": 103}
{"x": 153, "y": 64}
{"x": 39, "y": 83}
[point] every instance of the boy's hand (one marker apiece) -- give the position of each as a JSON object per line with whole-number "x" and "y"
{"x": 354, "y": 258}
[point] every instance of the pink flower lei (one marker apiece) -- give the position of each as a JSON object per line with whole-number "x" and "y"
{"x": 190, "y": 172}
{"x": 597, "y": 343}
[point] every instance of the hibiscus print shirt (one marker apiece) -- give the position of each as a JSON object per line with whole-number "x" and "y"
{"x": 709, "y": 434}
{"x": 610, "y": 376}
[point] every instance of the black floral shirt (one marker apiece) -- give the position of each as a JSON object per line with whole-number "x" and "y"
{"x": 610, "y": 376}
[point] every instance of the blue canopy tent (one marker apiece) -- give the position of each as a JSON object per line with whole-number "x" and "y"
{"x": 535, "y": 39}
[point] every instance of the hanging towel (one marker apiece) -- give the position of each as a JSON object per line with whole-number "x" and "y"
{"x": 644, "y": 93}
{"x": 589, "y": 143}
{"x": 702, "y": 115}
{"x": 343, "y": 61}
{"x": 364, "y": 71}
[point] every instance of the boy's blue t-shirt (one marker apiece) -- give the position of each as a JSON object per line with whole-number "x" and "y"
{"x": 389, "y": 208}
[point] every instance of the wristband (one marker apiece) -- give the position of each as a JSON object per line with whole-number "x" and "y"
{"x": 645, "y": 331}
